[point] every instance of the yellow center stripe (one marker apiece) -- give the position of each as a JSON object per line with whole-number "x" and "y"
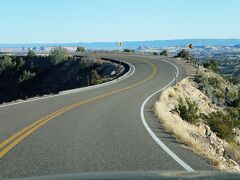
{"x": 12, "y": 141}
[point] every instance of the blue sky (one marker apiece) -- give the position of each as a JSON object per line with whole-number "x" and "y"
{"x": 45, "y": 21}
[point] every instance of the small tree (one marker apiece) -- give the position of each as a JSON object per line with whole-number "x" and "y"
{"x": 59, "y": 55}
{"x": 80, "y": 49}
{"x": 6, "y": 63}
{"x": 221, "y": 124}
{"x": 31, "y": 54}
{"x": 95, "y": 77}
{"x": 164, "y": 53}
{"x": 20, "y": 63}
{"x": 128, "y": 50}
{"x": 184, "y": 54}
{"x": 212, "y": 64}
{"x": 26, "y": 75}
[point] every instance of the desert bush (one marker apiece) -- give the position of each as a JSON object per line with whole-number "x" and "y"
{"x": 188, "y": 110}
{"x": 222, "y": 124}
{"x": 128, "y": 50}
{"x": 214, "y": 82}
{"x": 95, "y": 78}
{"x": 218, "y": 94}
{"x": 234, "y": 99}
{"x": 31, "y": 54}
{"x": 26, "y": 75}
{"x": 215, "y": 87}
{"x": 234, "y": 80}
{"x": 234, "y": 115}
{"x": 6, "y": 63}
{"x": 184, "y": 54}
{"x": 164, "y": 53}
{"x": 212, "y": 64}
{"x": 20, "y": 63}
{"x": 59, "y": 55}
{"x": 80, "y": 49}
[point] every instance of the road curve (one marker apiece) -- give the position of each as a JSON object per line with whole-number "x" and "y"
{"x": 96, "y": 130}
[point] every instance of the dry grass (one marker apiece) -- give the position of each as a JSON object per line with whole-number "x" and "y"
{"x": 172, "y": 122}
{"x": 223, "y": 83}
{"x": 235, "y": 150}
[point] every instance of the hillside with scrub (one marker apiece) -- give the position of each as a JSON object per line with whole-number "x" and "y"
{"x": 22, "y": 77}
{"x": 203, "y": 112}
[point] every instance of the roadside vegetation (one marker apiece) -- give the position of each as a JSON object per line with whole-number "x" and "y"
{"x": 225, "y": 95}
{"x": 188, "y": 110}
{"x": 184, "y": 54}
{"x": 27, "y": 76}
{"x": 162, "y": 53}
{"x": 128, "y": 50}
{"x": 204, "y": 113}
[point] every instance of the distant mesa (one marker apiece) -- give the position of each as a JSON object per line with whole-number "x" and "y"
{"x": 142, "y": 48}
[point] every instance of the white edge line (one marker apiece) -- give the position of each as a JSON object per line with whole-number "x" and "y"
{"x": 155, "y": 138}
{"x": 62, "y": 93}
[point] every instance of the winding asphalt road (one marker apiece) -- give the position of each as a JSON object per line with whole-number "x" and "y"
{"x": 95, "y": 130}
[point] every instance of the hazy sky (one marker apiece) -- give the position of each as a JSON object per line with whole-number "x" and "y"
{"x": 27, "y": 21}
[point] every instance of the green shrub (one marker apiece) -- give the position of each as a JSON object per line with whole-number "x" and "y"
{"x": 31, "y": 54}
{"x": 164, "y": 53}
{"x": 20, "y": 63}
{"x": 188, "y": 110}
{"x": 26, "y": 75}
{"x": 155, "y": 53}
{"x": 184, "y": 54}
{"x": 218, "y": 94}
{"x": 214, "y": 82}
{"x": 80, "y": 49}
{"x": 212, "y": 64}
{"x": 234, "y": 80}
{"x": 222, "y": 124}
{"x": 212, "y": 88}
{"x": 6, "y": 63}
{"x": 234, "y": 115}
{"x": 235, "y": 103}
{"x": 59, "y": 55}
{"x": 95, "y": 78}
{"x": 128, "y": 50}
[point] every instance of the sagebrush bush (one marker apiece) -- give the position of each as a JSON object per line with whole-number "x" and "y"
{"x": 212, "y": 65}
{"x": 95, "y": 78}
{"x": 212, "y": 87}
{"x": 215, "y": 82}
{"x": 234, "y": 115}
{"x": 222, "y": 124}
{"x": 59, "y": 55}
{"x": 188, "y": 110}
{"x": 26, "y": 75}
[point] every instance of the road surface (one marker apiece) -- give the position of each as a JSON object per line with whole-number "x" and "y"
{"x": 95, "y": 130}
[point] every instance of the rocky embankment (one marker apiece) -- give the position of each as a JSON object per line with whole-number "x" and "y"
{"x": 201, "y": 136}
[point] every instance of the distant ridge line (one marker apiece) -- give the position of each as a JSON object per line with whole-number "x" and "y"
{"x": 131, "y": 44}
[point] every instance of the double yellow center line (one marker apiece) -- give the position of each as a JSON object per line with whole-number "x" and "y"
{"x": 13, "y": 140}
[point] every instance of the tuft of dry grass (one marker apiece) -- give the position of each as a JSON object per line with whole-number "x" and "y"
{"x": 235, "y": 150}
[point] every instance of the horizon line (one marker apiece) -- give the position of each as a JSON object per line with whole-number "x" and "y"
{"x": 180, "y": 39}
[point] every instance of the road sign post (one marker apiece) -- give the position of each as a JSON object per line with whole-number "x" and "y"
{"x": 120, "y": 44}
